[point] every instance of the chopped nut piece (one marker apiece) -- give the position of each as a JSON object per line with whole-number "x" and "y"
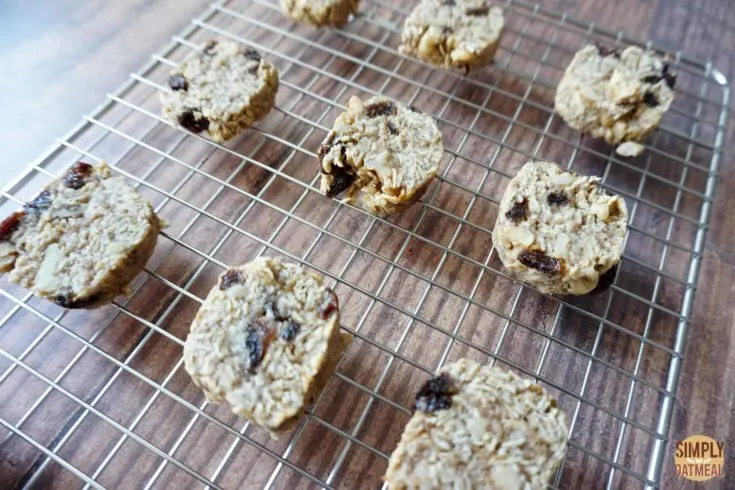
{"x": 630, "y": 149}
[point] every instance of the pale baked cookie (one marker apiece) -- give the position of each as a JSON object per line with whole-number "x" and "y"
{"x": 461, "y": 34}
{"x": 479, "y": 427}
{"x": 266, "y": 340}
{"x": 559, "y": 231}
{"x": 616, "y": 96}
{"x": 320, "y": 13}
{"x": 380, "y": 155}
{"x": 82, "y": 240}
{"x": 221, "y": 91}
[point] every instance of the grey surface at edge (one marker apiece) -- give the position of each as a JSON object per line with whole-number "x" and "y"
{"x": 666, "y": 407}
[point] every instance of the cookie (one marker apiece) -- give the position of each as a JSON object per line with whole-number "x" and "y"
{"x": 380, "y": 155}
{"x": 221, "y": 90}
{"x": 82, "y": 240}
{"x": 461, "y": 34}
{"x": 559, "y": 231}
{"x": 320, "y": 13}
{"x": 479, "y": 427}
{"x": 265, "y": 341}
{"x": 618, "y": 96}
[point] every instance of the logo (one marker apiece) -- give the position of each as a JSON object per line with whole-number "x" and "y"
{"x": 699, "y": 458}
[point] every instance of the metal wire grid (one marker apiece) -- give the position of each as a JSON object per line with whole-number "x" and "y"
{"x": 567, "y": 344}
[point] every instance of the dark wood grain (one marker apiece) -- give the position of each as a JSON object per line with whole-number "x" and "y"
{"x": 69, "y": 54}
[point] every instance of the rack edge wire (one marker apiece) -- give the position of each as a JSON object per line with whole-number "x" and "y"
{"x": 658, "y": 449}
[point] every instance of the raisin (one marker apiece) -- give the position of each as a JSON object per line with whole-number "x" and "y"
{"x": 330, "y": 304}
{"x": 230, "y": 278}
{"x": 605, "y": 51}
{"x": 251, "y": 54}
{"x": 290, "y": 331}
{"x": 650, "y": 99}
{"x": 518, "y": 212}
{"x": 10, "y": 224}
{"x": 670, "y": 79}
{"x": 193, "y": 122}
{"x": 324, "y": 150}
{"x": 391, "y": 128}
{"x": 538, "y": 260}
{"x": 479, "y": 11}
{"x": 557, "y": 198}
{"x": 209, "y": 48}
{"x": 382, "y": 108}
{"x": 257, "y": 342}
{"x": 342, "y": 179}
{"x": 271, "y": 310}
{"x": 449, "y": 3}
{"x": 66, "y": 301}
{"x": 178, "y": 82}
{"x": 606, "y": 280}
{"x": 436, "y": 394}
{"x": 415, "y": 109}
{"x": 76, "y": 177}
{"x": 42, "y": 201}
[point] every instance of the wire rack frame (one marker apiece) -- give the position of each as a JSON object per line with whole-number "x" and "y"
{"x": 533, "y": 334}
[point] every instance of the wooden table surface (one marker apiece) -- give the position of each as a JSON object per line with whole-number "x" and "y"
{"x": 60, "y": 58}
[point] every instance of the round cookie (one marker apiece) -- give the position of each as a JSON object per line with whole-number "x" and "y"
{"x": 616, "y": 96}
{"x": 82, "y": 240}
{"x": 320, "y": 13}
{"x": 266, "y": 340}
{"x": 479, "y": 427}
{"x": 380, "y": 155}
{"x": 460, "y": 34}
{"x": 222, "y": 90}
{"x": 559, "y": 231}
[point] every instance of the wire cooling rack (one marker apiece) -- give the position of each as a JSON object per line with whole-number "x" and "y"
{"x": 100, "y": 398}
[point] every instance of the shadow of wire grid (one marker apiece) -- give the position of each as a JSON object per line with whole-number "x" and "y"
{"x": 101, "y": 398}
